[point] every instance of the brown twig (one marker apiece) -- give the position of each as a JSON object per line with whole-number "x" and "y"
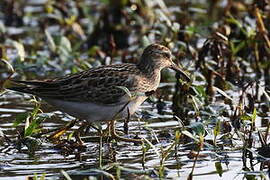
{"x": 261, "y": 26}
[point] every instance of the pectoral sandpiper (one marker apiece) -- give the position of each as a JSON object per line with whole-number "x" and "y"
{"x": 102, "y": 93}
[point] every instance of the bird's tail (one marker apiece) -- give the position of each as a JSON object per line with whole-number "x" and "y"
{"x": 22, "y": 86}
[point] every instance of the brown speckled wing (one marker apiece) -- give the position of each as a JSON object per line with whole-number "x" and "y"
{"x": 98, "y": 85}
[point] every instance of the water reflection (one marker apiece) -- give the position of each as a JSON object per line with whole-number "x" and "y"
{"x": 50, "y": 160}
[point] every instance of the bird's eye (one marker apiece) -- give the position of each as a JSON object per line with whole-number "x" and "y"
{"x": 167, "y": 55}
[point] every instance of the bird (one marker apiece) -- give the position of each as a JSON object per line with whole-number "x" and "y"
{"x": 106, "y": 92}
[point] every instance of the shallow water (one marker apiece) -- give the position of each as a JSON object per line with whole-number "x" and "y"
{"x": 51, "y": 161}
{"x": 126, "y": 157}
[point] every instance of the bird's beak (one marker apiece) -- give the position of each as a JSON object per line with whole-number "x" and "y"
{"x": 178, "y": 69}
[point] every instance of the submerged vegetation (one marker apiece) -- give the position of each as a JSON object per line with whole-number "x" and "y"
{"x": 221, "y": 117}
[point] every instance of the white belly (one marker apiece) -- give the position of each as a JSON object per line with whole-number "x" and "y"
{"x": 94, "y": 112}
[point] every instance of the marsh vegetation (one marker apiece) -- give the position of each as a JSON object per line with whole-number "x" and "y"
{"x": 216, "y": 126}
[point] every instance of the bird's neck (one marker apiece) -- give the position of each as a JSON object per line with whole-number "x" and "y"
{"x": 147, "y": 68}
{"x": 151, "y": 76}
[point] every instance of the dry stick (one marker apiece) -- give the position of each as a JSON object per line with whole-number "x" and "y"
{"x": 261, "y": 26}
{"x": 193, "y": 167}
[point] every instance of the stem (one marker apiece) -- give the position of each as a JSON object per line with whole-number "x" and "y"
{"x": 100, "y": 152}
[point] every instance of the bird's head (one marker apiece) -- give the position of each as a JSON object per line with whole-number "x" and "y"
{"x": 156, "y": 56}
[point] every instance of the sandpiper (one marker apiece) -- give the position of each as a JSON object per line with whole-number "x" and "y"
{"x": 102, "y": 93}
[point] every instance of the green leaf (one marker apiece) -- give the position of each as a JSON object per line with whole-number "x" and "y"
{"x": 246, "y": 117}
{"x": 198, "y": 128}
{"x": 20, "y": 118}
{"x": 219, "y": 168}
{"x": 33, "y": 126}
{"x": 236, "y": 47}
{"x": 93, "y": 50}
{"x": 250, "y": 177}
{"x": 217, "y": 128}
{"x": 200, "y": 90}
{"x": 29, "y": 127}
{"x": 254, "y": 115}
{"x": 177, "y": 136}
{"x": 36, "y": 109}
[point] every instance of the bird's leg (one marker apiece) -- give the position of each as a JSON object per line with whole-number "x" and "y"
{"x": 84, "y": 127}
{"x": 126, "y": 122}
{"x": 61, "y": 131}
{"x": 78, "y": 132}
{"x": 117, "y": 137}
{"x": 112, "y": 127}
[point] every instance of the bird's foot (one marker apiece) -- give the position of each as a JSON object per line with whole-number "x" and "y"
{"x": 115, "y": 136}
{"x": 119, "y": 138}
{"x": 58, "y": 133}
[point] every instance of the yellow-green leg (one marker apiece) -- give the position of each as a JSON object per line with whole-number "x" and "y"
{"x": 117, "y": 137}
{"x": 61, "y": 131}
